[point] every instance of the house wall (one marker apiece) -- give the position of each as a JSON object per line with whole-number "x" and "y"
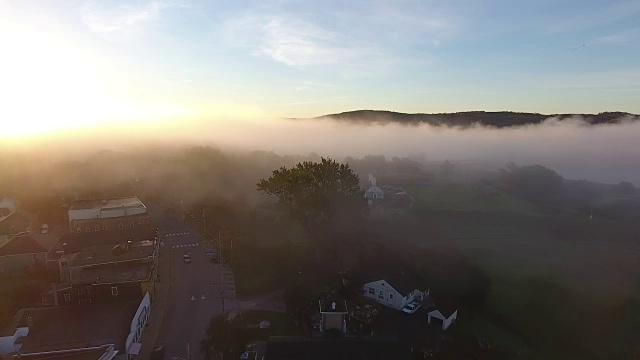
{"x": 332, "y": 321}
{"x": 7, "y": 343}
{"x": 386, "y": 295}
{"x": 446, "y": 322}
{"x": 17, "y": 263}
{"x": 138, "y": 322}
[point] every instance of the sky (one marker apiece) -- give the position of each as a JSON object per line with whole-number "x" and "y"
{"x": 70, "y": 64}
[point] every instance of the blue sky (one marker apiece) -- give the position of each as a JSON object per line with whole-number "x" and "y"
{"x": 305, "y": 58}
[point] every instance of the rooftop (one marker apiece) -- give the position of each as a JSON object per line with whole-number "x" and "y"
{"x": 17, "y": 222}
{"x": 404, "y": 281}
{"x": 61, "y": 328}
{"x": 344, "y": 348}
{"x": 91, "y": 353}
{"x": 21, "y": 245}
{"x": 97, "y": 204}
{"x": 106, "y": 274}
{"x": 107, "y": 253}
{"x": 327, "y": 305}
{"x": 76, "y": 242}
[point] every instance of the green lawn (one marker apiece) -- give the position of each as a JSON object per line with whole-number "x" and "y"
{"x": 281, "y": 324}
{"x": 465, "y": 197}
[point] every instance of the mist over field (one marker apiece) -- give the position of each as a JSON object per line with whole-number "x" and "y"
{"x": 606, "y": 153}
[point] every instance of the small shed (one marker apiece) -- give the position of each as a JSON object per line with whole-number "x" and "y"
{"x": 445, "y": 312}
{"x": 333, "y": 312}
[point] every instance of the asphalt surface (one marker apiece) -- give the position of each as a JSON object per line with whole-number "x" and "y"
{"x": 195, "y": 294}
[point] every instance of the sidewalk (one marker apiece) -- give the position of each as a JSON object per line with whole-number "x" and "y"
{"x": 151, "y": 332}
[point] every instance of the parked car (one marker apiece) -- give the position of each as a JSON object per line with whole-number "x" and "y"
{"x": 187, "y": 258}
{"x": 45, "y": 229}
{"x": 411, "y": 308}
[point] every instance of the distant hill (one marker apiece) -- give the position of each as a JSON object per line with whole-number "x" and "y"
{"x": 465, "y": 119}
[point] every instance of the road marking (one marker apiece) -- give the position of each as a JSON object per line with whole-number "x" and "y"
{"x": 193, "y": 297}
{"x": 202, "y": 297}
{"x": 177, "y": 234}
{"x": 184, "y": 245}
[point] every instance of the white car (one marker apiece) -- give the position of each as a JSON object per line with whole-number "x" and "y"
{"x": 411, "y": 308}
{"x": 45, "y": 229}
{"x": 187, "y": 258}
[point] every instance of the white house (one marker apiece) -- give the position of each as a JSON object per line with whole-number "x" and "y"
{"x": 374, "y": 192}
{"x": 445, "y": 313}
{"x": 395, "y": 293}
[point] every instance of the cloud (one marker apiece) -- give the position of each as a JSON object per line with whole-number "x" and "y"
{"x": 619, "y": 37}
{"x": 291, "y": 41}
{"x": 362, "y": 38}
{"x": 124, "y": 19}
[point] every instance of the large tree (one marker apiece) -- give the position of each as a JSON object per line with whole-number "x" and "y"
{"x": 316, "y": 193}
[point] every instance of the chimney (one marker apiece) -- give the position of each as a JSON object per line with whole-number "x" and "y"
{"x": 55, "y": 294}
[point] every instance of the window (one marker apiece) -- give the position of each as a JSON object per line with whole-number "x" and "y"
{"x": 79, "y": 230}
{"x": 67, "y": 298}
{"x": 132, "y": 224}
{"x": 121, "y": 226}
{"x": 104, "y": 227}
{"x": 97, "y": 228}
{"x": 88, "y": 229}
{"x": 372, "y": 291}
{"x": 63, "y": 263}
{"x": 390, "y": 296}
{"x": 114, "y": 290}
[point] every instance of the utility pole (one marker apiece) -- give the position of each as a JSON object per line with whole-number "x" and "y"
{"x": 188, "y": 352}
{"x": 204, "y": 220}
{"x": 222, "y": 271}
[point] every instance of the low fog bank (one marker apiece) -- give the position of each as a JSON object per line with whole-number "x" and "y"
{"x": 603, "y": 153}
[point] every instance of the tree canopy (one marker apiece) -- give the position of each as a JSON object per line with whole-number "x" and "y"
{"x": 222, "y": 340}
{"x": 314, "y": 192}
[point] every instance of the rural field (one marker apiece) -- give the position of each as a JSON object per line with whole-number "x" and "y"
{"x": 560, "y": 284}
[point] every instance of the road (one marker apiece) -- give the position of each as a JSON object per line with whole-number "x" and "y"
{"x": 198, "y": 290}
{"x": 195, "y": 294}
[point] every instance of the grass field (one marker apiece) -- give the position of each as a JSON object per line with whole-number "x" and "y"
{"x": 465, "y": 197}
{"x": 281, "y": 324}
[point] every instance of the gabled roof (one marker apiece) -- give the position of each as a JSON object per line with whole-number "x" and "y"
{"x": 327, "y": 305}
{"x": 16, "y": 223}
{"x": 403, "y": 281}
{"x": 22, "y": 245}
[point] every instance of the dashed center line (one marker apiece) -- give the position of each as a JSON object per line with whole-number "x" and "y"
{"x": 184, "y": 245}
{"x": 177, "y": 234}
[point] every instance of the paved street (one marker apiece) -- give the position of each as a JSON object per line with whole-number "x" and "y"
{"x": 192, "y": 293}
